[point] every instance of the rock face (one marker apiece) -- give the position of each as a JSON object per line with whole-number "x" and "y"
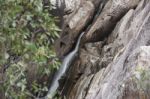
{"x": 74, "y": 24}
{"x": 118, "y": 66}
{"x": 109, "y": 16}
{"x": 97, "y": 23}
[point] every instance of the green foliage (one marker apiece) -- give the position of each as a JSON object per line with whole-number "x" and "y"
{"x": 27, "y": 34}
{"x": 142, "y": 78}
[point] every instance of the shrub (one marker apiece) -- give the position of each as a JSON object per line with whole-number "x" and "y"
{"x": 27, "y": 34}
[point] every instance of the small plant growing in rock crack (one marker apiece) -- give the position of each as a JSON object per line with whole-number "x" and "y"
{"x": 142, "y": 78}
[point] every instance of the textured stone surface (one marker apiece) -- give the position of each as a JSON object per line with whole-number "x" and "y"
{"x": 92, "y": 18}
{"x": 112, "y": 12}
{"x": 73, "y": 26}
{"x": 113, "y": 68}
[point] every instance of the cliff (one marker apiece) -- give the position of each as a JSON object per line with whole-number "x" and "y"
{"x": 114, "y": 57}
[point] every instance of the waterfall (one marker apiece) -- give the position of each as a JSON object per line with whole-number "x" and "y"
{"x": 65, "y": 64}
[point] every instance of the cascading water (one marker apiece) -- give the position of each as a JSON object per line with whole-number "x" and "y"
{"x": 66, "y": 62}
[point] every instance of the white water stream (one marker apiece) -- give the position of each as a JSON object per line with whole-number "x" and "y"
{"x": 65, "y": 64}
